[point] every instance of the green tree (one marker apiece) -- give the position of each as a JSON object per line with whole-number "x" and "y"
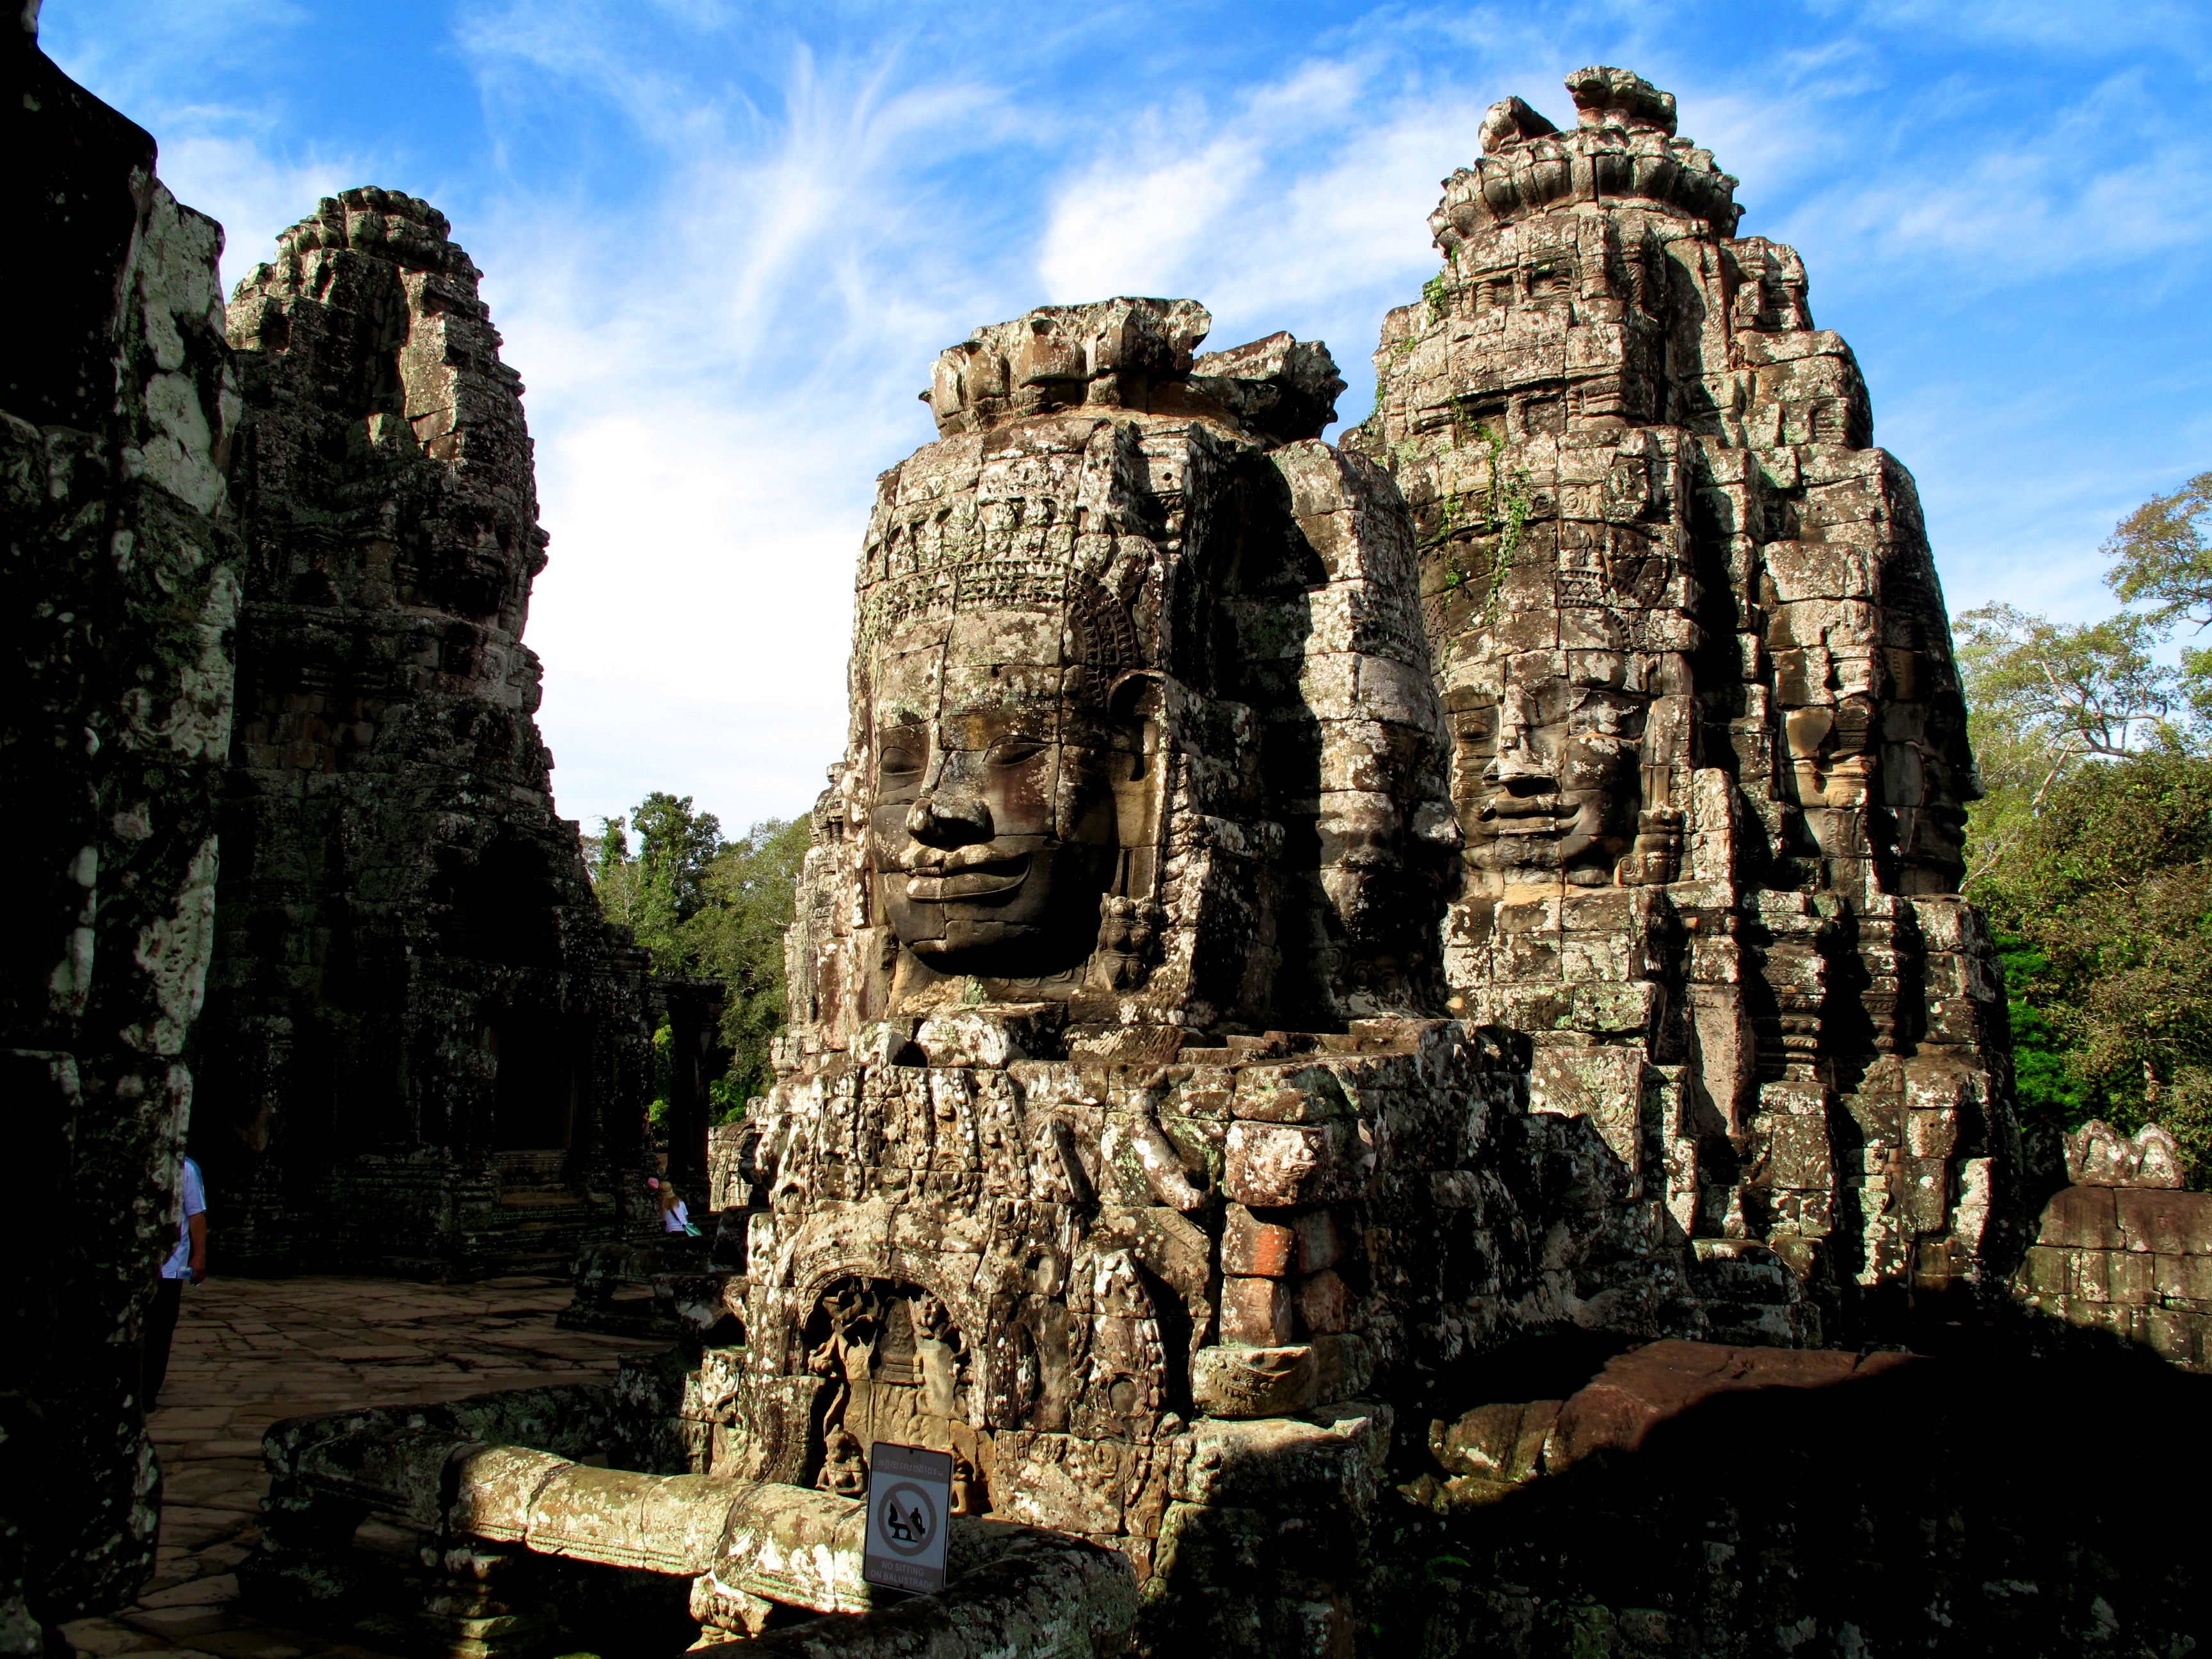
{"x": 676, "y": 846}
{"x": 2107, "y": 909}
{"x": 612, "y": 870}
{"x": 711, "y": 910}
{"x": 2161, "y": 553}
{"x": 2044, "y": 697}
{"x": 738, "y": 938}
{"x": 2092, "y": 847}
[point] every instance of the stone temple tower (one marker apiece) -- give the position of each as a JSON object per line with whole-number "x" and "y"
{"x": 425, "y": 1050}
{"x": 1709, "y": 751}
{"x": 1299, "y": 932}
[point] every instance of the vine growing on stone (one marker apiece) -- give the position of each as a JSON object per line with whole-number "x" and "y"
{"x": 1506, "y": 507}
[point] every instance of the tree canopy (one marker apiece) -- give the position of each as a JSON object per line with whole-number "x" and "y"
{"x": 2092, "y": 847}
{"x": 709, "y": 908}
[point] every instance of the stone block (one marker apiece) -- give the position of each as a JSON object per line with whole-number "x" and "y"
{"x": 1344, "y": 1365}
{"x": 2088, "y": 1276}
{"x": 1324, "y": 1303}
{"x": 1275, "y": 1461}
{"x": 1255, "y": 1313}
{"x": 1245, "y": 1383}
{"x": 1320, "y": 1239}
{"x": 1503, "y": 1441}
{"x": 2170, "y": 1277}
{"x": 1272, "y": 1165}
{"x": 1060, "y": 1481}
{"x": 1250, "y": 1246}
{"x": 2153, "y": 1219}
{"x": 2047, "y": 1270}
{"x": 2128, "y": 1276}
{"x": 2182, "y": 1336}
{"x": 1270, "y": 1093}
{"x": 1932, "y": 1133}
{"x": 2081, "y": 1218}
{"x": 1791, "y": 1152}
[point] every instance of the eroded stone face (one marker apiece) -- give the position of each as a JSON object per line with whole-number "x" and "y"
{"x": 480, "y": 1034}
{"x": 1691, "y": 644}
{"x": 1548, "y": 777}
{"x": 992, "y": 824}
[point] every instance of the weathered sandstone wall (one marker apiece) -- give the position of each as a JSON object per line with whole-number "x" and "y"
{"x": 122, "y": 578}
{"x": 1708, "y": 745}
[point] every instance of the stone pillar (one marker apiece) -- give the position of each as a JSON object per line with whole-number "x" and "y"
{"x": 122, "y": 579}
{"x": 695, "y": 1013}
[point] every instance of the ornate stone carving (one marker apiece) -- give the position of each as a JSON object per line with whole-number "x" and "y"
{"x": 477, "y": 1044}
{"x": 1183, "y": 746}
{"x": 1079, "y": 740}
{"x": 1691, "y": 644}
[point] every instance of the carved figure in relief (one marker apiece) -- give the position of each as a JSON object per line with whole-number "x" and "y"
{"x": 891, "y": 1367}
{"x": 1547, "y": 773}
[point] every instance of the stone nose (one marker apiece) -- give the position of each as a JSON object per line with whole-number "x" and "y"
{"x": 1518, "y": 763}
{"x": 942, "y": 820}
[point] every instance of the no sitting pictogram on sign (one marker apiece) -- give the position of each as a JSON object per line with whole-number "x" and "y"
{"x": 909, "y": 1512}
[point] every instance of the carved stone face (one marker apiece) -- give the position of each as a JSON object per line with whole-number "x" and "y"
{"x": 992, "y": 821}
{"x": 1546, "y": 775}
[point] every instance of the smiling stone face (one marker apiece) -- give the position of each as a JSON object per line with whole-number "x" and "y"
{"x": 1546, "y": 772}
{"x": 992, "y": 823}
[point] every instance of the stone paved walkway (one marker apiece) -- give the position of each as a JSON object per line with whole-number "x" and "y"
{"x": 250, "y": 1352}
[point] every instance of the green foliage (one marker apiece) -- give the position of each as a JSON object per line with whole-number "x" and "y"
{"x": 664, "y": 1082}
{"x": 708, "y": 909}
{"x": 2045, "y": 698}
{"x": 2159, "y": 552}
{"x": 2077, "y": 689}
{"x": 614, "y": 874}
{"x": 2106, "y": 908}
{"x": 738, "y": 938}
{"x": 676, "y": 846}
{"x": 1437, "y": 292}
{"x": 1503, "y": 514}
{"x": 2092, "y": 847}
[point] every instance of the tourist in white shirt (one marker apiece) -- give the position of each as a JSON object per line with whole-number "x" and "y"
{"x": 187, "y": 1260}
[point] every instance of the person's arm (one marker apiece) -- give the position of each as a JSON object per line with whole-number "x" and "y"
{"x": 197, "y": 1264}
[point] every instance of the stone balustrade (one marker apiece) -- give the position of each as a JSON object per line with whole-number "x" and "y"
{"x": 451, "y": 1476}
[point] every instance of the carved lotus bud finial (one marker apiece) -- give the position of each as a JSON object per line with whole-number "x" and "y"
{"x": 1510, "y": 121}
{"x": 1620, "y": 98}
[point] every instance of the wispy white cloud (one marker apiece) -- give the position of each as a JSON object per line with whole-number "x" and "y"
{"x": 724, "y": 239}
{"x": 2105, "y": 181}
{"x": 714, "y": 385}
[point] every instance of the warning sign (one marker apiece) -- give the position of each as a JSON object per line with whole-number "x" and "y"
{"x": 909, "y": 1510}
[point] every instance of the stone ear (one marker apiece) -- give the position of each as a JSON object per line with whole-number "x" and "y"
{"x": 1137, "y": 694}
{"x": 1135, "y": 700}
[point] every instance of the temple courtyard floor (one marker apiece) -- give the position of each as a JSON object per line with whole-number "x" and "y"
{"x": 251, "y": 1352}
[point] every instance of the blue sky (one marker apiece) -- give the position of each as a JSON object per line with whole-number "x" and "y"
{"x": 724, "y": 240}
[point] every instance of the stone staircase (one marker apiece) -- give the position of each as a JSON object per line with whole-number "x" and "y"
{"x": 539, "y": 1222}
